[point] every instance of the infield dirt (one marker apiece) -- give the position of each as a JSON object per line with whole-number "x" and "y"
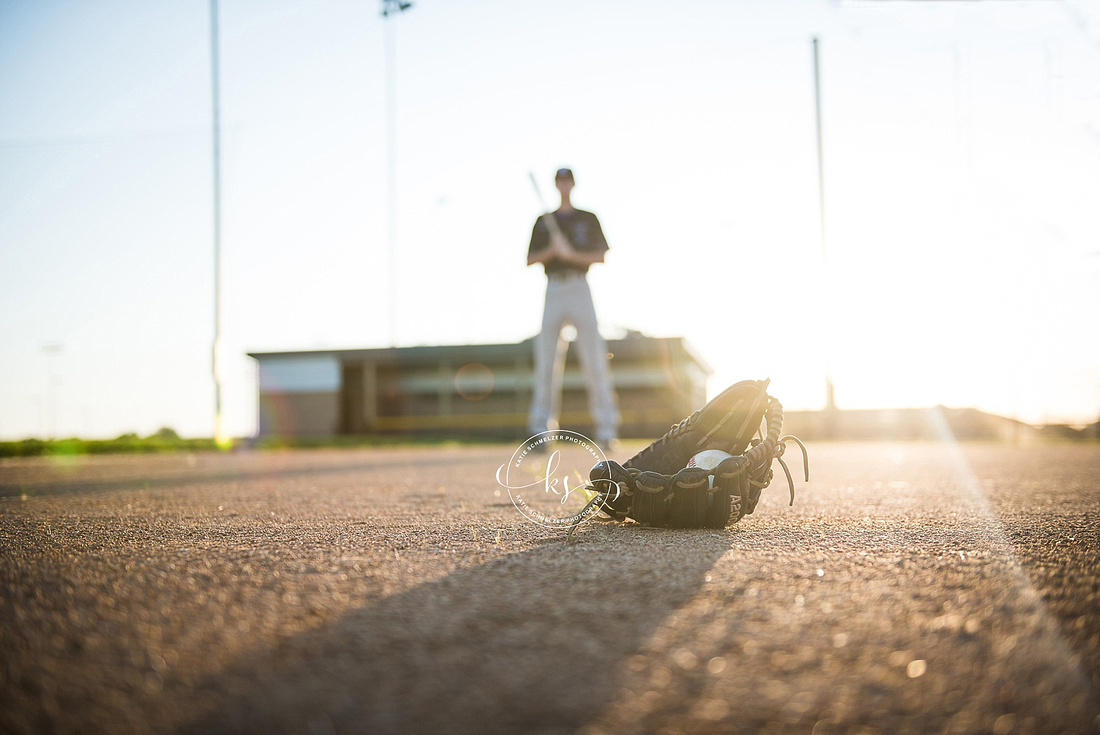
{"x": 912, "y": 588}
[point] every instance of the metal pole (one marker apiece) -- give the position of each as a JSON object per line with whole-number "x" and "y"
{"x": 830, "y": 404}
{"x": 52, "y": 351}
{"x": 215, "y": 74}
{"x": 391, "y": 170}
{"x": 396, "y": 7}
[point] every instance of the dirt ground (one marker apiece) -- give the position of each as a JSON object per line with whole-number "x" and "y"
{"x": 912, "y": 588}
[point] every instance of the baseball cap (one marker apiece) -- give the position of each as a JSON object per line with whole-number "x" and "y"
{"x": 563, "y": 173}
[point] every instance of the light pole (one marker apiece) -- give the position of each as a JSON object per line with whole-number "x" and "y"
{"x": 395, "y": 7}
{"x": 830, "y": 403}
{"x": 51, "y": 352}
{"x": 215, "y": 92}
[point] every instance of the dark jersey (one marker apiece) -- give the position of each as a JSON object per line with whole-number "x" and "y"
{"x": 581, "y": 228}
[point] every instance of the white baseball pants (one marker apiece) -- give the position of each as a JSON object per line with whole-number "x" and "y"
{"x": 569, "y": 301}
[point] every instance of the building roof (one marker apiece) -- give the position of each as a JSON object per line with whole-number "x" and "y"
{"x": 632, "y": 346}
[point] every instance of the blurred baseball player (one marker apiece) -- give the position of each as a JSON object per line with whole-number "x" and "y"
{"x": 566, "y": 242}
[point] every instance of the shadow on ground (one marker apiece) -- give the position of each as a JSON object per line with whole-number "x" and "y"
{"x": 526, "y": 643}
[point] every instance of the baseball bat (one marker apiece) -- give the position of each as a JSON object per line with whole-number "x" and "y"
{"x": 551, "y": 220}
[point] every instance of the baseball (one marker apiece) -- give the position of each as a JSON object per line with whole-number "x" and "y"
{"x": 708, "y": 459}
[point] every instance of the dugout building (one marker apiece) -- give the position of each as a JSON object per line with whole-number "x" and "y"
{"x": 466, "y": 390}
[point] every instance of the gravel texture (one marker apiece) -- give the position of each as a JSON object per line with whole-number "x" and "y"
{"x": 912, "y": 588}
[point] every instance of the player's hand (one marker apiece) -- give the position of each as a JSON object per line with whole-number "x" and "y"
{"x": 560, "y": 246}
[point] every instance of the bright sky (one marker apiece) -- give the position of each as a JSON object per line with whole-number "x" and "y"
{"x": 962, "y": 169}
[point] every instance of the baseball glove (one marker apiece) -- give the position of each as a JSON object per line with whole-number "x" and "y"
{"x": 661, "y": 486}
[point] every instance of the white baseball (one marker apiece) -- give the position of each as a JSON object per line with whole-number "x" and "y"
{"x": 708, "y": 459}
